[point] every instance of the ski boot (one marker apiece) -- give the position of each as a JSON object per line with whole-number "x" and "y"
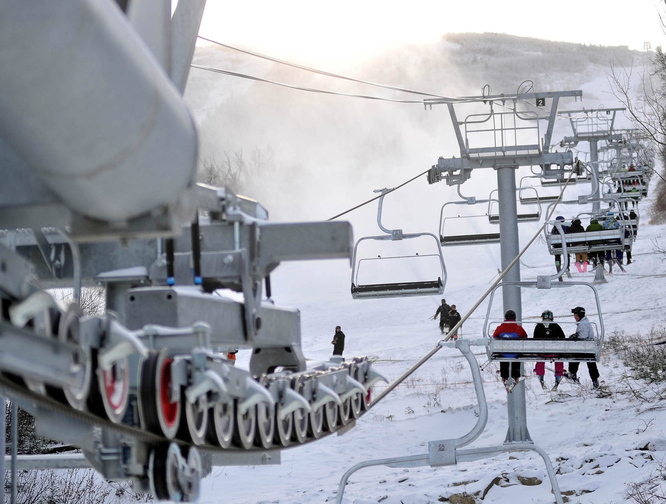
{"x": 571, "y": 376}
{"x": 558, "y": 379}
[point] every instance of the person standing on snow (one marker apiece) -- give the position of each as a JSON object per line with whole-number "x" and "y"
{"x": 454, "y": 318}
{"x": 547, "y": 329}
{"x": 584, "y": 331}
{"x": 338, "y": 341}
{"x": 509, "y": 329}
{"x": 443, "y": 312}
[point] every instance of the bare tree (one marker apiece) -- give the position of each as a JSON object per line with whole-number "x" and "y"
{"x": 237, "y": 171}
{"x": 73, "y": 486}
{"x": 645, "y": 103}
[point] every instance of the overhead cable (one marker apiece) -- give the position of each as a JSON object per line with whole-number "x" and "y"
{"x": 377, "y": 197}
{"x": 301, "y": 88}
{"x": 322, "y": 72}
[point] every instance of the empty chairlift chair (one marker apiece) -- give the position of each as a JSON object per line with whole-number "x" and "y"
{"x": 530, "y": 206}
{"x": 529, "y": 195}
{"x": 448, "y": 237}
{"x": 396, "y": 264}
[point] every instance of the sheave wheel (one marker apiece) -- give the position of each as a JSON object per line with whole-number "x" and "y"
{"x": 196, "y": 416}
{"x": 221, "y": 429}
{"x": 172, "y": 476}
{"x": 158, "y": 413}
{"x": 246, "y": 427}
{"x": 317, "y": 421}
{"x": 114, "y": 388}
{"x": 284, "y": 428}
{"x": 301, "y": 417}
{"x": 357, "y": 405}
{"x": 331, "y": 416}
{"x": 68, "y": 332}
{"x": 265, "y": 425}
{"x": 163, "y": 469}
{"x": 344, "y": 411}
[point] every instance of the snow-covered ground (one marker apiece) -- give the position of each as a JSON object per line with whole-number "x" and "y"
{"x": 597, "y": 445}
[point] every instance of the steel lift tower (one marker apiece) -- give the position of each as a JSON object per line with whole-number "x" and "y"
{"x": 505, "y": 132}
{"x": 593, "y": 126}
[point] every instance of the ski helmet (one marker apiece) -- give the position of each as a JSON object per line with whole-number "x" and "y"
{"x": 510, "y": 315}
{"x": 547, "y": 315}
{"x": 579, "y": 310}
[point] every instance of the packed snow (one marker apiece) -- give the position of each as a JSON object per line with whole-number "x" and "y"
{"x": 598, "y": 443}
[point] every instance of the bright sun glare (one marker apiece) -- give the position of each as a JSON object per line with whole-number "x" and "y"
{"x": 348, "y": 30}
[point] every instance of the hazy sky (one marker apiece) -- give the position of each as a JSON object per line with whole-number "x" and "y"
{"x": 344, "y": 30}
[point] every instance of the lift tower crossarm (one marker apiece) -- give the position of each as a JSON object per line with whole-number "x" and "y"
{"x": 504, "y": 97}
{"x": 508, "y": 129}
{"x": 592, "y": 126}
{"x": 597, "y": 127}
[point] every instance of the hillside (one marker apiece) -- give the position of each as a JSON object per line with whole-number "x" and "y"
{"x": 351, "y": 145}
{"x": 602, "y": 446}
{"x": 327, "y": 153}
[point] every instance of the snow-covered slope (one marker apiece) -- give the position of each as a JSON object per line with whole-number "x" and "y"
{"x": 598, "y": 445}
{"x": 332, "y": 156}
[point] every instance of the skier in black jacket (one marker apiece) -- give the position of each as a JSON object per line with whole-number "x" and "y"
{"x": 454, "y": 318}
{"x": 443, "y": 312}
{"x": 338, "y": 341}
{"x": 581, "y": 257}
{"x": 547, "y": 329}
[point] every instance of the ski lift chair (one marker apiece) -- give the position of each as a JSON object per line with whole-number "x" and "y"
{"x": 493, "y": 206}
{"x": 449, "y": 239}
{"x": 526, "y": 197}
{"x": 586, "y": 242}
{"x": 530, "y": 349}
{"x": 433, "y": 286}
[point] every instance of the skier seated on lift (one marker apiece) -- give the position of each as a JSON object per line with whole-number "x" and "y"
{"x": 581, "y": 257}
{"x": 584, "y": 331}
{"x": 509, "y": 329}
{"x": 547, "y": 329}
{"x": 443, "y": 311}
{"x": 558, "y": 257}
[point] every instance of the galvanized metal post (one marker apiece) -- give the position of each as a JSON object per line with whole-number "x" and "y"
{"x": 511, "y": 297}
{"x": 14, "y": 450}
{"x": 594, "y": 163}
{"x": 3, "y": 430}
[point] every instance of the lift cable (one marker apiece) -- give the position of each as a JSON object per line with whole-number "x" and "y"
{"x": 300, "y": 88}
{"x": 377, "y": 197}
{"x": 321, "y": 72}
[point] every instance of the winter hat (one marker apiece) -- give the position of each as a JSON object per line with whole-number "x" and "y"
{"x": 578, "y": 310}
{"x": 510, "y": 315}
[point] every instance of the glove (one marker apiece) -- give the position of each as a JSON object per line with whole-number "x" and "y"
{"x": 574, "y": 336}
